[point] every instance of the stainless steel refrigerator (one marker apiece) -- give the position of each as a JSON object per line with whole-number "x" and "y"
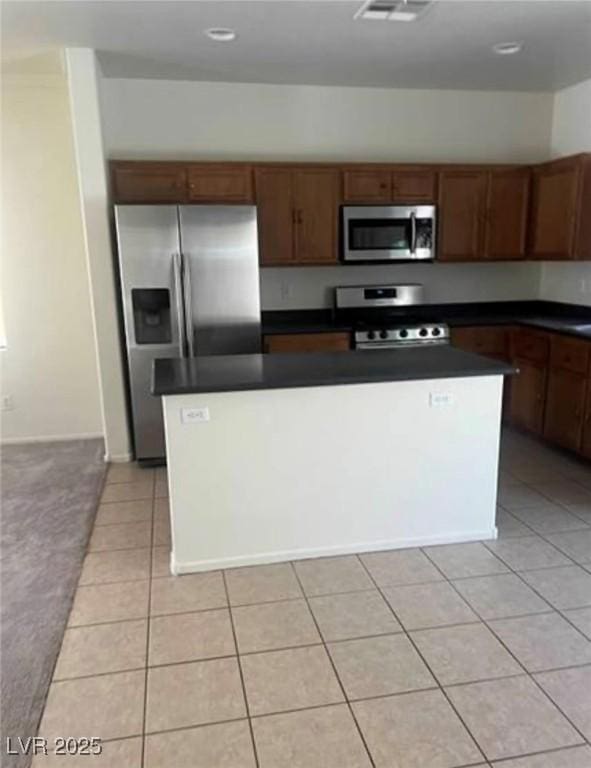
{"x": 189, "y": 286}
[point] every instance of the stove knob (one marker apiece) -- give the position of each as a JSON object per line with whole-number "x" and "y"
{"x": 371, "y": 335}
{"x": 423, "y": 332}
{"x": 403, "y": 333}
{"x": 383, "y": 334}
{"x": 436, "y": 332}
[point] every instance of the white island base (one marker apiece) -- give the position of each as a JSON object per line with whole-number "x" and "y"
{"x": 282, "y": 474}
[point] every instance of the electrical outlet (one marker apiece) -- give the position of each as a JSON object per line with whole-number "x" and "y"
{"x": 7, "y": 403}
{"x": 284, "y": 290}
{"x": 194, "y": 415}
{"x": 440, "y": 399}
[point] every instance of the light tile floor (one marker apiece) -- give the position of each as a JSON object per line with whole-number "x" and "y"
{"x": 460, "y": 655}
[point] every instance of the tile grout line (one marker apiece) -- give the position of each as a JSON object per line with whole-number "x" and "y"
{"x": 241, "y": 672}
{"x": 148, "y": 628}
{"x": 418, "y": 652}
{"x": 555, "y": 609}
{"x": 332, "y": 664}
{"x": 510, "y": 652}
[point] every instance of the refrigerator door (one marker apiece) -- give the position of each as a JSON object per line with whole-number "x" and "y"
{"x": 221, "y": 278}
{"x": 150, "y": 271}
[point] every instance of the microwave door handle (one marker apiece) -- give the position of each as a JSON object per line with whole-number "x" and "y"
{"x": 178, "y": 292}
{"x": 188, "y": 302}
{"x": 413, "y": 233}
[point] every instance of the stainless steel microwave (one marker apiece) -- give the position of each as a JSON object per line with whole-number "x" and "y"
{"x": 388, "y": 233}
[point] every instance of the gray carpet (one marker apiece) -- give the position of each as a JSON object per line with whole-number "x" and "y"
{"x": 50, "y": 493}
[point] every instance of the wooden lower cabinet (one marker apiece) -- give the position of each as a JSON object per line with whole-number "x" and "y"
{"x": 565, "y": 406}
{"x": 307, "y": 342}
{"x": 487, "y": 340}
{"x": 586, "y": 439}
{"x": 528, "y": 393}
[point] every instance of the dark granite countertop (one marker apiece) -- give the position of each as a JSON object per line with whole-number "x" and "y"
{"x": 571, "y": 319}
{"x": 232, "y": 373}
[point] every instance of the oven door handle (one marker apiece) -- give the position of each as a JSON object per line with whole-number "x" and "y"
{"x": 413, "y": 232}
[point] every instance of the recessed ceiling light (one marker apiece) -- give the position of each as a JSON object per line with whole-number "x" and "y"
{"x": 507, "y": 49}
{"x": 221, "y": 34}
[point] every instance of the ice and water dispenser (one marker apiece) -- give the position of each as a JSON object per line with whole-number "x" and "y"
{"x": 151, "y": 315}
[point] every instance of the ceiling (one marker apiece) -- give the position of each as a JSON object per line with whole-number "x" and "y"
{"x": 315, "y": 41}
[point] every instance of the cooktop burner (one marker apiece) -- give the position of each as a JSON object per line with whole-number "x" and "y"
{"x": 402, "y": 334}
{"x": 383, "y": 316}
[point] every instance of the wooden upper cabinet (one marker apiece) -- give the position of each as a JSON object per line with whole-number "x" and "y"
{"x": 414, "y": 186}
{"x": 560, "y": 226}
{"x": 275, "y": 212}
{"x": 462, "y": 197}
{"x": 220, "y": 183}
{"x": 367, "y": 186}
{"x": 317, "y": 198}
{"x": 386, "y": 184}
{"x": 139, "y": 182}
{"x": 507, "y": 203}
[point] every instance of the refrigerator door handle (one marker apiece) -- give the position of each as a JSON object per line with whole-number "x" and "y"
{"x": 189, "y": 332}
{"x": 177, "y": 268}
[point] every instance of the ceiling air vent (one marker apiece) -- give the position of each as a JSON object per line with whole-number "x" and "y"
{"x": 392, "y": 10}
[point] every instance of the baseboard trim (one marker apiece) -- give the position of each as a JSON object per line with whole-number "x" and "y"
{"x": 51, "y": 438}
{"x": 264, "y": 558}
{"x": 118, "y": 458}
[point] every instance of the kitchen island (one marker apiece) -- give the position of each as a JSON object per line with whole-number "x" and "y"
{"x": 279, "y": 457}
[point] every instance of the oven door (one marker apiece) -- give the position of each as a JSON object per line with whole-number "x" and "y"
{"x": 388, "y": 233}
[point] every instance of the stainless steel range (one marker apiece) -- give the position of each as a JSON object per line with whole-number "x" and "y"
{"x": 388, "y": 316}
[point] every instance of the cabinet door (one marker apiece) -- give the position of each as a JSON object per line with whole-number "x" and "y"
{"x": 528, "y": 390}
{"x": 149, "y": 183}
{"x": 307, "y": 342}
{"x": 490, "y": 341}
{"x": 275, "y": 214}
{"x": 554, "y": 210}
{"x": 530, "y": 345}
{"x": 586, "y": 441}
{"x": 413, "y": 186}
{"x": 461, "y": 215}
{"x": 367, "y": 186}
{"x": 224, "y": 183}
{"x": 565, "y": 405}
{"x": 506, "y": 215}
{"x": 317, "y": 204}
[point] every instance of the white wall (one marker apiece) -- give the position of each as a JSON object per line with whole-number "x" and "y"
{"x": 571, "y": 133}
{"x": 311, "y": 287}
{"x": 160, "y": 119}
{"x": 163, "y": 119}
{"x": 83, "y": 82}
{"x": 568, "y": 282}
{"x": 571, "y": 120}
{"x": 49, "y": 366}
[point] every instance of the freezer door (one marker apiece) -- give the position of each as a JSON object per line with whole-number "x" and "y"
{"x": 150, "y": 270}
{"x": 221, "y": 278}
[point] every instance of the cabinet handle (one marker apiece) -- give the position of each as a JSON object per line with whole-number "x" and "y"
{"x": 300, "y": 217}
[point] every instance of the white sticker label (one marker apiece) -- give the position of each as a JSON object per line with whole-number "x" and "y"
{"x": 194, "y": 415}
{"x": 440, "y": 399}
